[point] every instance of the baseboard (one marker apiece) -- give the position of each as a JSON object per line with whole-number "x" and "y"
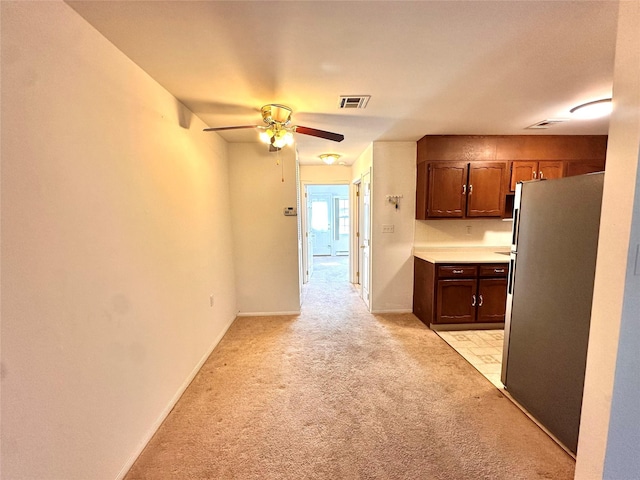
{"x": 466, "y": 326}
{"x": 267, "y": 314}
{"x": 172, "y": 403}
{"x": 399, "y": 310}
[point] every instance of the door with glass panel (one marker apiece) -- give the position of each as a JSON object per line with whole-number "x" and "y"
{"x": 321, "y": 220}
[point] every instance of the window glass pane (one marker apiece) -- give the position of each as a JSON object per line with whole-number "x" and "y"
{"x": 319, "y": 216}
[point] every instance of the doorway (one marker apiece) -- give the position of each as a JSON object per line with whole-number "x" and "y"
{"x": 326, "y": 228}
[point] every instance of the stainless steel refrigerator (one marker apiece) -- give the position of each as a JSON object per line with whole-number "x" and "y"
{"x": 550, "y": 289}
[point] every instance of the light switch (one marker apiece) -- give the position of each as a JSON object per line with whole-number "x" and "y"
{"x": 387, "y": 228}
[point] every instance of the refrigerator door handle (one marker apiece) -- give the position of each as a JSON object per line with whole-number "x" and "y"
{"x": 512, "y": 272}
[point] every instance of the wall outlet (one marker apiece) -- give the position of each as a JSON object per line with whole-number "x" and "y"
{"x": 468, "y": 229}
{"x": 387, "y": 228}
{"x": 211, "y": 300}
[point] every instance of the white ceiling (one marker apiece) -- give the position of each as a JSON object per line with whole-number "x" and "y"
{"x": 451, "y": 67}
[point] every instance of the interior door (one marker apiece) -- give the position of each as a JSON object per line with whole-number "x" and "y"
{"x": 309, "y": 241}
{"x": 365, "y": 237}
{"x": 321, "y": 213}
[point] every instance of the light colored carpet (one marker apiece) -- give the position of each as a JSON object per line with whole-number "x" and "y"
{"x": 338, "y": 393}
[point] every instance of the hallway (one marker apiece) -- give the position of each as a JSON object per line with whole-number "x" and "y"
{"x": 338, "y": 393}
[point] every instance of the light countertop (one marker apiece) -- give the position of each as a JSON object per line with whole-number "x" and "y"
{"x": 463, "y": 254}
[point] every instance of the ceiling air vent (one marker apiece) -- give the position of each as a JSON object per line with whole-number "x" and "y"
{"x": 549, "y": 122}
{"x": 354, "y": 101}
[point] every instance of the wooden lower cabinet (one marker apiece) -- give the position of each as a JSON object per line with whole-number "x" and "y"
{"x": 492, "y": 299}
{"x": 454, "y": 301}
{"x": 459, "y": 293}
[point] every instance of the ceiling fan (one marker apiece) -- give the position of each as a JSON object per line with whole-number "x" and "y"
{"x": 278, "y": 131}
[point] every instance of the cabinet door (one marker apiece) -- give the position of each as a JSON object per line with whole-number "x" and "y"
{"x": 550, "y": 170}
{"x": 492, "y": 299}
{"x": 486, "y": 189}
{"x": 522, "y": 172}
{"x": 447, "y": 190}
{"x": 421, "y": 191}
{"x": 456, "y": 301}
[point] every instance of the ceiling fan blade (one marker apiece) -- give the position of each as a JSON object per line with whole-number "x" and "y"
{"x": 216, "y": 129}
{"x": 336, "y": 137}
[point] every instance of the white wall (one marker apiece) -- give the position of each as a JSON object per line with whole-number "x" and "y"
{"x": 394, "y": 173}
{"x": 610, "y": 423}
{"x": 325, "y": 174}
{"x": 456, "y": 233}
{"x": 360, "y": 166}
{"x": 266, "y": 242}
{"x": 115, "y": 231}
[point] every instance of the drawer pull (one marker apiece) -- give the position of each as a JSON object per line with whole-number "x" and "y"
{"x": 498, "y": 270}
{"x": 457, "y": 271}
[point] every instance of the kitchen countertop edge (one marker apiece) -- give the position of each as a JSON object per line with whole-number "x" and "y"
{"x": 463, "y": 254}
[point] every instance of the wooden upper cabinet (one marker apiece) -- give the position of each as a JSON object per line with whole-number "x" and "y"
{"x": 422, "y": 178}
{"x": 460, "y": 189}
{"x": 524, "y": 171}
{"x": 550, "y": 170}
{"x": 550, "y": 147}
{"x": 462, "y": 176}
{"x": 447, "y": 189}
{"x": 456, "y": 148}
{"x": 581, "y": 168}
{"x": 486, "y": 194}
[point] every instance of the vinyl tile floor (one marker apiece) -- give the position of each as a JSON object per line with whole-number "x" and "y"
{"x": 481, "y": 348}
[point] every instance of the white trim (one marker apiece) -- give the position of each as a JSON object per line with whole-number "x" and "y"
{"x": 267, "y": 314}
{"x": 172, "y": 403}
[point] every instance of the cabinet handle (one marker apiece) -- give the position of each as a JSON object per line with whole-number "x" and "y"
{"x": 498, "y": 270}
{"x": 470, "y": 189}
{"x": 481, "y": 301}
{"x": 534, "y": 174}
{"x": 473, "y": 303}
{"x": 541, "y": 176}
{"x": 464, "y": 189}
{"x": 457, "y": 271}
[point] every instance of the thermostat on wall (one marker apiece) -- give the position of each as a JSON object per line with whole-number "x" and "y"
{"x": 290, "y": 212}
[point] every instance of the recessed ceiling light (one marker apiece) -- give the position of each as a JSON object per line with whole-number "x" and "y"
{"x": 595, "y": 109}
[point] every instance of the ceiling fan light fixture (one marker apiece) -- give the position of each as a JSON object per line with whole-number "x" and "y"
{"x": 595, "y": 109}
{"x": 329, "y": 158}
{"x": 265, "y": 137}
